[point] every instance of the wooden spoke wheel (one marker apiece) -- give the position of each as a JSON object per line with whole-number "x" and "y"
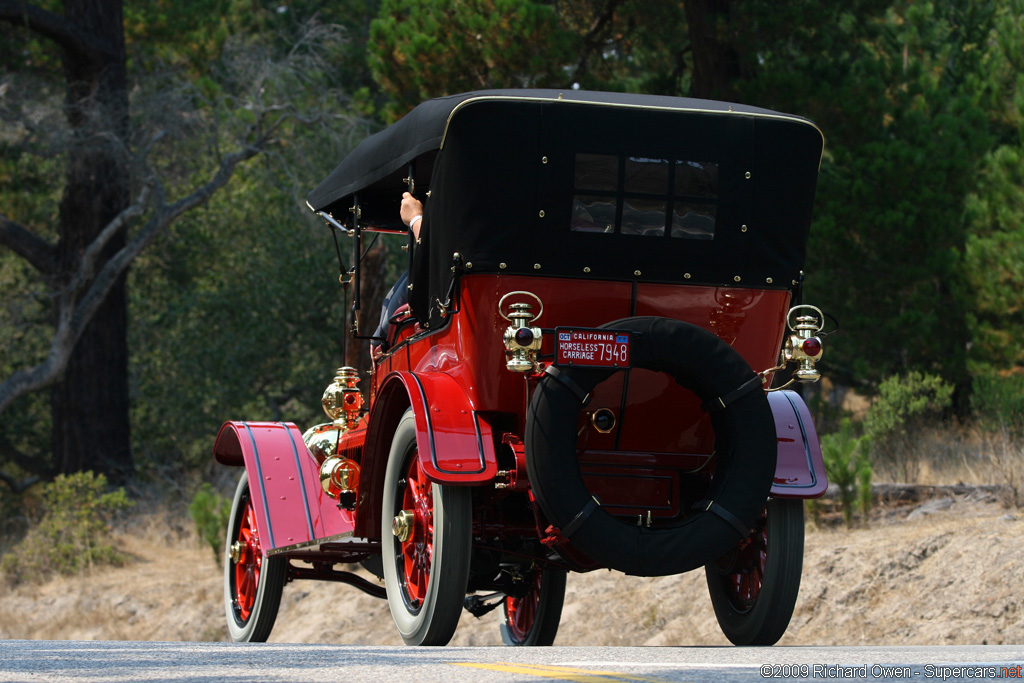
{"x": 252, "y": 582}
{"x": 754, "y": 587}
{"x": 532, "y": 619}
{"x": 426, "y": 537}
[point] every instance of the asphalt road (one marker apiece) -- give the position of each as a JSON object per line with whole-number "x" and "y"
{"x": 78, "y": 661}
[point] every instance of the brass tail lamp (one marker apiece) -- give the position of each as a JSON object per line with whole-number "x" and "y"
{"x": 522, "y": 340}
{"x": 803, "y": 346}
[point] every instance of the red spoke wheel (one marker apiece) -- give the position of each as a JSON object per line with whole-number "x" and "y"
{"x": 418, "y": 548}
{"x": 532, "y": 619}
{"x": 426, "y": 540}
{"x": 252, "y": 582}
{"x": 754, "y": 586}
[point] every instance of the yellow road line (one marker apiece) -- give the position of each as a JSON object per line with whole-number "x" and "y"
{"x": 562, "y": 672}
{"x": 623, "y": 676}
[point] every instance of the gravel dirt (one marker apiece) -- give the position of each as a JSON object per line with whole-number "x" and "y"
{"x": 946, "y": 570}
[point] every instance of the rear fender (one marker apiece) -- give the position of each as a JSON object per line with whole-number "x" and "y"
{"x": 800, "y": 471}
{"x": 455, "y": 444}
{"x": 284, "y": 482}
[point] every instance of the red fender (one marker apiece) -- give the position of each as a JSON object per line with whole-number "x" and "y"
{"x": 284, "y": 481}
{"x": 800, "y": 471}
{"x": 455, "y": 443}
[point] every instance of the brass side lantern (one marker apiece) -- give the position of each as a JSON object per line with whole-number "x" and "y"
{"x": 804, "y": 346}
{"x": 343, "y": 403}
{"x": 342, "y": 400}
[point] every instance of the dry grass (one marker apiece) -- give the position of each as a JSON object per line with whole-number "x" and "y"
{"x": 1006, "y": 456}
{"x": 158, "y": 595}
{"x": 944, "y": 455}
{"x": 945, "y": 574}
{"x": 948, "y": 577}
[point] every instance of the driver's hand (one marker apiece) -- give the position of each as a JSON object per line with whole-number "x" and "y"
{"x": 411, "y": 207}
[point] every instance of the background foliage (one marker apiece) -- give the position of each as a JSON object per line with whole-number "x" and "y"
{"x": 211, "y": 513}
{"x": 848, "y": 466}
{"x": 918, "y": 239}
{"x": 905, "y": 405}
{"x": 73, "y": 532}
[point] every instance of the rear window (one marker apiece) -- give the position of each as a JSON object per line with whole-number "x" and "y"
{"x": 644, "y": 196}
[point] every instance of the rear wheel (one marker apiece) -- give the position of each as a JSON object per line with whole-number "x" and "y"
{"x": 754, "y": 586}
{"x": 532, "y": 618}
{"x": 426, "y": 536}
{"x": 252, "y": 582}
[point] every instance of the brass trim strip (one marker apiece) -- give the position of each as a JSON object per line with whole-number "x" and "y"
{"x": 311, "y": 544}
{"x": 298, "y": 474}
{"x": 260, "y": 483}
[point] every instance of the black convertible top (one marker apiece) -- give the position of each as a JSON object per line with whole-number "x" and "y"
{"x": 590, "y": 186}
{"x": 380, "y": 162}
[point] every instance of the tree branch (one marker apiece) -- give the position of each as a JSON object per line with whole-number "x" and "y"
{"x": 73, "y": 317}
{"x": 87, "y": 266}
{"x": 38, "y": 252}
{"x": 18, "y": 486}
{"x": 60, "y": 30}
{"x": 591, "y": 41}
{"x": 165, "y": 215}
{"x": 12, "y": 455}
{"x": 37, "y": 467}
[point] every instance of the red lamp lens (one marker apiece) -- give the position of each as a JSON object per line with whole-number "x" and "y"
{"x": 812, "y": 347}
{"x": 524, "y": 336}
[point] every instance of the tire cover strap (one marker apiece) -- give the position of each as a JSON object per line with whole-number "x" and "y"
{"x": 732, "y": 519}
{"x": 722, "y": 402}
{"x": 576, "y": 522}
{"x": 569, "y": 383}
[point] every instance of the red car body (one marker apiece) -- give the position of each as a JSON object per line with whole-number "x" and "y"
{"x": 447, "y": 360}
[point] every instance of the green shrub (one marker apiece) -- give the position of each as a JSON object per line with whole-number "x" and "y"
{"x": 906, "y": 405}
{"x": 998, "y": 403}
{"x": 211, "y": 512}
{"x": 73, "y": 533}
{"x": 848, "y": 467}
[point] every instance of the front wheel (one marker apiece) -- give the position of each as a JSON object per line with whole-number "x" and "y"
{"x": 532, "y": 618}
{"x": 252, "y": 582}
{"x": 426, "y": 537}
{"x": 754, "y": 586}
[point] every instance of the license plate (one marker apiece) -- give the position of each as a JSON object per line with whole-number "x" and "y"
{"x": 591, "y": 348}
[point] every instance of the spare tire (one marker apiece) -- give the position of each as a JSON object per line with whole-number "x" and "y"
{"x": 745, "y": 447}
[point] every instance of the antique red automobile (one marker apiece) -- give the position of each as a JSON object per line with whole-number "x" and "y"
{"x": 603, "y": 291}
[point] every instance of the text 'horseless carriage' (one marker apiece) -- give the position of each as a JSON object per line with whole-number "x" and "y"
{"x": 603, "y": 289}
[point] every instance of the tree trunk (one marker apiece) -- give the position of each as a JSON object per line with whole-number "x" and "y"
{"x": 90, "y": 402}
{"x": 716, "y": 65}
